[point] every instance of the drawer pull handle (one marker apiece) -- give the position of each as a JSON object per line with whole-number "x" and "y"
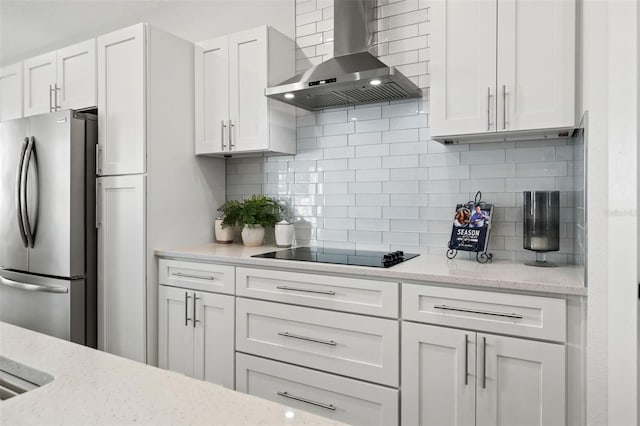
{"x": 200, "y": 277}
{"x": 309, "y": 339}
{"x": 306, "y": 290}
{"x": 474, "y": 311}
{"x": 307, "y": 401}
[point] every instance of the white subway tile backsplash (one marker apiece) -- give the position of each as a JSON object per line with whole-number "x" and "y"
{"x": 370, "y": 113}
{"x": 408, "y": 174}
{"x": 338, "y": 129}
{"x": 372, "y": 125}
{"x": 404, "y": 135}
{"x": 372, "y": 224}
{"x": 329, "y": 117}
{"x": 542, "y": 169}
{"x": 400, "y": 161}
{"x": 365, "y": 163}
{"x": 372, "y": 199}
{"x": 370, "y": 177}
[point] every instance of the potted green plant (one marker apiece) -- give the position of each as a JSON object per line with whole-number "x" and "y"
{"x": 225, "y": 225}
{"x": 257, "y": 213}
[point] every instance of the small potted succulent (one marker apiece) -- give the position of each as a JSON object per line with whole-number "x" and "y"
{"x": 225, "y": 225}
{"x": 257, "y": 213}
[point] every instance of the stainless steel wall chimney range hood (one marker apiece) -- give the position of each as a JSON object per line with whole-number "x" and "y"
{"x": 353, "y": 76}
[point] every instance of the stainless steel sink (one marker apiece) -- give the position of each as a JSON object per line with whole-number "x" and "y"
{"x": 16, "y": 378}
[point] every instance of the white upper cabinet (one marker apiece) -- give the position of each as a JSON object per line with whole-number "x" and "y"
{"x": 212, "y": 95}
{"x": 39, "y": 84}
{"x": 63, "y": 79}
{"x": 76, "y": 71}
{"x": 11, "y": 92}
{"x": 536, "y": 69}
{"x": 121, "y": 102}
{"x": 494, "y": 70}
{"x": 232, "y": 114}
{"x": 463, "y": 67}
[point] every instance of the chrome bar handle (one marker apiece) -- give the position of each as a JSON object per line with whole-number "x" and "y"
{"x": 98, "y": 157}
{"x": 307, "y": 401}
{"x": 222, "y": 127}
{"x": 26, "y": 223}
{"x": 466, "y": 359}
{"x": 32, "y": 287}
{"x": 50, "y": 98}
{"x": 200, "y": 277}
{"x": 504, "y": 107}
{"x": 306, "y": 290}
{"x": 98, "y": 205}
{"x": 195, "y": 302}
{"x": 484, "y": 363}
{"x": 488, "y": 108}
{"x": 23, "y": 234}
{"x": 231, "y": 126}
{"x": 475, "y": 311}
{"x": 186, "y": 308}
{"x": 55, "y": 97}
{"x": 308, "y": 339}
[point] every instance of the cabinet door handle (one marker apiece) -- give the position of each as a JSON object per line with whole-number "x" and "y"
{"x": 475, "y": 311}
{"x": 231, "y": 126}
{"x": 504, "y": 107}
{"x": 307, "y": 401}
{"x": 484, "y": 363}
{"x": 200, "y": 277}
{"x": 222, "y": 127}
{"x": 195, "y": 302}
{"x": 488, "y": 108}
{"x": 309, "y": 339}
{"x": 306, "y": 290}
{"x": 98, "y": 157}
{"x": 50, "y": 98}
{"x": 466, "y": 360}
{"x": 98, "y": 205}
{"x": 186, "y": 308}
{"x": 55, "y": 97}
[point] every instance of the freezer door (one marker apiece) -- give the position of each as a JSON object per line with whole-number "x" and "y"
{"x": 50, "y": 306}
{"x": 13, "y": 250}
{"x": 55, "y": 195}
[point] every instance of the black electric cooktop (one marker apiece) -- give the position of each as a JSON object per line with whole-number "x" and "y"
{"x": 377, "y": 259}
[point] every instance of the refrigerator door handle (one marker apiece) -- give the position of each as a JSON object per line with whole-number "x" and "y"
{"x": 33, "y": 287}
{"x": 19, "y": 210}
{"x": 30, "y": 228}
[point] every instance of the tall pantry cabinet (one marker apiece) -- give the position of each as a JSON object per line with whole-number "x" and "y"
{"x": 152, "y": 191}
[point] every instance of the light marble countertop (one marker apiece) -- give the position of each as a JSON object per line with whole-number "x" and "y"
{"x": 500, "y": 274}
{"x": 95, "y": 388}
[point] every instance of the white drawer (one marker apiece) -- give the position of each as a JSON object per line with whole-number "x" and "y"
{"x": 338, "y": 398}
{"x": 355, "y": 295}
{"x": 352, "y": 345}
{"x": 505, "y": 313}
{"x": 197, "y": 275}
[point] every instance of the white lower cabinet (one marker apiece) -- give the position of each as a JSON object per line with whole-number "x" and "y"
{"x": 338, "y": 398}
{"x": 195, "y": 334}
{"x": 460, "y": 377}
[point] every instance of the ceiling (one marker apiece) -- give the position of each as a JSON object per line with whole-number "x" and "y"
{"x": 28, "y": 28}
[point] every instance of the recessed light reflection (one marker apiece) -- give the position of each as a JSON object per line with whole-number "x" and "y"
{"x": 289, "y": 95}
{"x": 375, "y": 82}
{"x": 289, "y": 414}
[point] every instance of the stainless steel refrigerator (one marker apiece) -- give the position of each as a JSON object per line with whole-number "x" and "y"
{"x": 47, "y": 224}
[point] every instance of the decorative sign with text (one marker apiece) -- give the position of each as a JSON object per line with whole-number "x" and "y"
{"x": 471, "y": 227}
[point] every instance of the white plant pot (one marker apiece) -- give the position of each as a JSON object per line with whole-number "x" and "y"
{"x": 224, "y": 235}
{"x": 284, "y": 233}
{"x": 252, "y": 235}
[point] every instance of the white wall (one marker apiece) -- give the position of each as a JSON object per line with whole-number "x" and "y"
{"x": 28, "y": 28}
{"x": 610, "y": 94}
